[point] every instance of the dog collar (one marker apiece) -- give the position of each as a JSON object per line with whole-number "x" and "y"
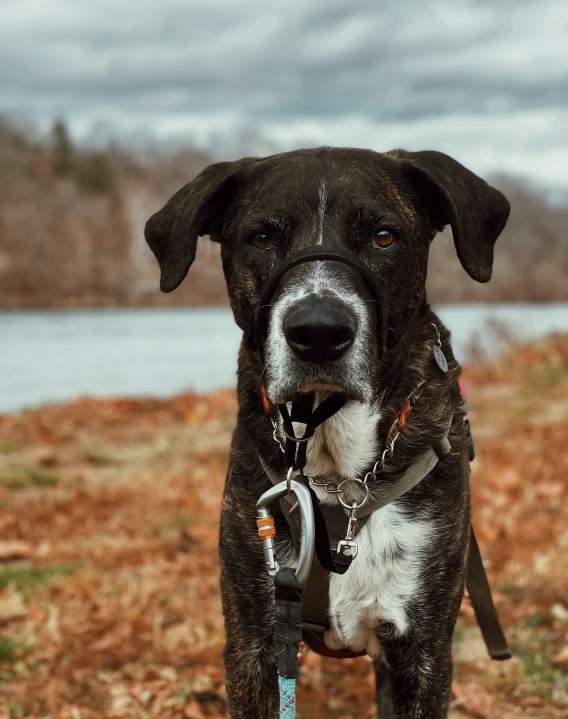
{"x": 302, "y": 412}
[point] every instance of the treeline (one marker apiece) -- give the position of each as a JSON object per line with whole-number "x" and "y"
{"x": 531, "y": 256}
{"x": 72, "y": 219}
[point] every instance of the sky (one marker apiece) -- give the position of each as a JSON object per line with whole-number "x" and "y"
{"x": 485, "y": 81}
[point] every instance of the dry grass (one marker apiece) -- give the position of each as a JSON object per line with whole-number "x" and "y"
{"x": 109, "y": 599}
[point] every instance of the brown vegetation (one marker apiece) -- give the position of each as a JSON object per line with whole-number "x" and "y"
{"x": 109, "y": 598}
{"x": 72, "y": 219}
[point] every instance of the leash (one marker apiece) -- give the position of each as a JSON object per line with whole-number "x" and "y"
{"x": 288, "y": 584}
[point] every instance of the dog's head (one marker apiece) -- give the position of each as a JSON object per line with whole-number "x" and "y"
{"x": 327, "y": 325}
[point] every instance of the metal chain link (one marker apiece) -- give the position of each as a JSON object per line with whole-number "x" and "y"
{"x": 329, "y": 486}
{"x": 275, "y": 436}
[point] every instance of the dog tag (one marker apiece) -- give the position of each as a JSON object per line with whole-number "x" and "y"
{"x": 440, "y": 359}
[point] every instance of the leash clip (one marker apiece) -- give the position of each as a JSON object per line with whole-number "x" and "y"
{"x": 348, "y": 547}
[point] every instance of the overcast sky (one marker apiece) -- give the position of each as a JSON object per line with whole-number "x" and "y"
{"x": 484, "y": 80}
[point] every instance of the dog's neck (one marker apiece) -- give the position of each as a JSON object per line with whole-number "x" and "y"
{"x": 349, "y": 443}
{"x": 346, "y": 444}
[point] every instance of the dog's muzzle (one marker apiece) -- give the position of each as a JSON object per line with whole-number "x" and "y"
{"x": 322, "y": 330}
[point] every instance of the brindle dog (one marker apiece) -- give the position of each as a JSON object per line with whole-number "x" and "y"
{"x": 328, "y": 333}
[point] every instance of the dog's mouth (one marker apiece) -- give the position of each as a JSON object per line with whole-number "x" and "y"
{"x": 322, "y": 390}
{"x": 322, "y": 387}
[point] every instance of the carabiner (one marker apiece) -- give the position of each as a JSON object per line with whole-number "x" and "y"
{"x": 307, "y": 533}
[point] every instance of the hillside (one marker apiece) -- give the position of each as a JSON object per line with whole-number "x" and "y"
{"x": 72, "y": 219}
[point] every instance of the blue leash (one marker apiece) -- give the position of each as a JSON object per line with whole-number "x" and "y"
{"x": 287, "y": 688}
{"x": 288, "y": 585}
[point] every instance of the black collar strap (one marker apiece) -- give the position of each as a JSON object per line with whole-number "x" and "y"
{"x": 257, "y": 330}
{"x": 296, "y": 448}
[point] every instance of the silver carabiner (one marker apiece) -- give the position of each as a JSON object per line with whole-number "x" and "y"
{"x": 307, "y": 533}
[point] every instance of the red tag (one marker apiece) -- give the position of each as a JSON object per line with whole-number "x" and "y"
{"x": 404, "y": 415}
{"x": 267, "y": 405}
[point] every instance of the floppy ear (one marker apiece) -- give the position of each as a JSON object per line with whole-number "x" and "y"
{"x": 197, "y": 209}
{"x": 453, "y": 195}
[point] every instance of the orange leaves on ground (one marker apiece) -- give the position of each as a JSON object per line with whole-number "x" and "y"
{"x": 109, "y": 576}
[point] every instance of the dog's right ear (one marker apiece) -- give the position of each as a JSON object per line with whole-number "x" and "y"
{"x": 197, "y": 209}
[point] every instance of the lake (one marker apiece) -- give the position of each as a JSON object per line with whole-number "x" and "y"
{"x": 58, "y": 355}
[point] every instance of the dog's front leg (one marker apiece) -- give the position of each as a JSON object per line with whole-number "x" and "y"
{"x": 420, "y": 669}
{"x": 248, "y": 607}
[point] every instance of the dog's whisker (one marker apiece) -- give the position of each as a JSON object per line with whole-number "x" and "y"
{"x": 261, "y": 374}
{"x": 256, "y": 309}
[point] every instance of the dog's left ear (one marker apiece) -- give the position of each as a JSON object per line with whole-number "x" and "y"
{"x": 197, "y": 209}
{"x": 453, "y": 195}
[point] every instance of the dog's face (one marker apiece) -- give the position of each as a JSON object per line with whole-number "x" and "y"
{"x": 326, "y": 328}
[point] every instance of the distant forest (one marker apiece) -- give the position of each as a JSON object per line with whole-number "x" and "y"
{"x": 72, "y": 219}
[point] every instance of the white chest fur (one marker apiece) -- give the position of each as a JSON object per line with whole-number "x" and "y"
{"x": 385, "y": 576}
{"x": 381, "y": 581}
{"x": 344, "y": 445}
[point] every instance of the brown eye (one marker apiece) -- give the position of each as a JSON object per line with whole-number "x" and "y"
{"x": 259, "y": 241}
{"x": 384, "y": 238}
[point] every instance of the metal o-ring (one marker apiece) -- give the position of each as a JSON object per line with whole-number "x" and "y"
{"x": 363, "y": 486}
{"x": 297, "y": 439}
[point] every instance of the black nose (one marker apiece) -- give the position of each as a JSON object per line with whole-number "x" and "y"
{"x": 320, "y": 329}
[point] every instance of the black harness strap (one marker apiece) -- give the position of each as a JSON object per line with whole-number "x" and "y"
{"x": 337, "y": 563}
{"x": 482, "y": 602}
{"x": 256, "y": 332}
{"x": 288, "y": 621}
{"x": 296, "y": 448}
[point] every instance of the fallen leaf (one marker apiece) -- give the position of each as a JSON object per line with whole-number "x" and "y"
{"x": 562, "y": 656}
{"x": 15, "y": 549}
{"x": 12, "y": 605}
{"x": 192, "y": 710}
{"x": 474, "y": 699}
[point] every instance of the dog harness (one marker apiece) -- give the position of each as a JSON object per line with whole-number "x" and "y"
{"x": 302, "y": 594}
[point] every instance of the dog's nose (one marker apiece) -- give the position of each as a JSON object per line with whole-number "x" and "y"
{"x": 320, "y": 329}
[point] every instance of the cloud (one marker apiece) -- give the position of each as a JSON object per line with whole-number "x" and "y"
{"x": 485, "y": 79}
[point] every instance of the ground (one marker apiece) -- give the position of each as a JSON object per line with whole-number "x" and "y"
{"x": 109, "y": 598}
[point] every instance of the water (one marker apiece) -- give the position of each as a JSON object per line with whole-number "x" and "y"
{"x": 58, "y": 355}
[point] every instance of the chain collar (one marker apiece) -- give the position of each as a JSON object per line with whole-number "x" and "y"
{"x": 331, "y": 487}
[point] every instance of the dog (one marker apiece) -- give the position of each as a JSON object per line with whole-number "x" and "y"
{"x": 327, "y": 332}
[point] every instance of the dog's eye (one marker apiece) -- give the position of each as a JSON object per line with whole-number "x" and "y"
{"x": 384, "y": 238}
{"x": 259, "y": 241}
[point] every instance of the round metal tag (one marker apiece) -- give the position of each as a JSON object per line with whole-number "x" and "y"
{"x": 440, "y": 359}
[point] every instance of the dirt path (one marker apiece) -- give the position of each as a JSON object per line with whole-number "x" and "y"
{"x": 109, "y": 600}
